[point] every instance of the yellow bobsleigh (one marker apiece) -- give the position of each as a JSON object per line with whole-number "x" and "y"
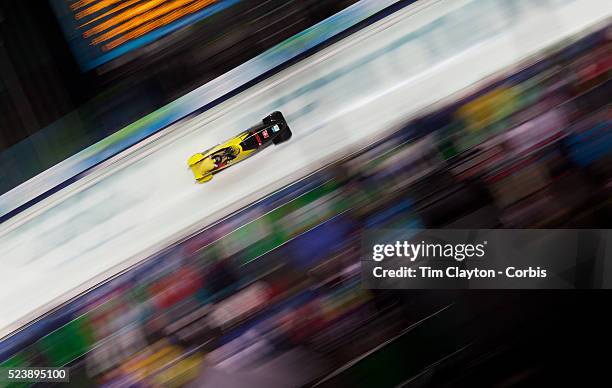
{"x": 272, "y": 130}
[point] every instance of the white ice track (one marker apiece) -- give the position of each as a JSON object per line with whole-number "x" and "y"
{"x": 343, "y": 96}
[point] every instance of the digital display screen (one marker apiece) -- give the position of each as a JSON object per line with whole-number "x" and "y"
{"x": 101, "y": 30}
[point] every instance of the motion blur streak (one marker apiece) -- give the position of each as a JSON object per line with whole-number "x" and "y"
{"x": 172, "y": 15}
{"x": 83, "y": 3}
{"x": 126, "y": 16}
{"x": 100, "y": 6}
{"x": 131, "y": 23}
{"x": 110, "y": 223}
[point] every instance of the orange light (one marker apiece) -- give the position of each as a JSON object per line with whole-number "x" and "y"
{"x": 162, "y": 21}
{"x": 115, "y": 22}
{"x": 105, "y": 14}
{"x": 128, "y": 18}
{"x": 100, "y": 5}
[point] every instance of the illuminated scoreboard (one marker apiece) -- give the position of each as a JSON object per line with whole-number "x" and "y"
{"x": 101, "y": 30}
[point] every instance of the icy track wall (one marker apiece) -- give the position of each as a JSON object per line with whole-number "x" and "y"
{"x": 351, "y": 92}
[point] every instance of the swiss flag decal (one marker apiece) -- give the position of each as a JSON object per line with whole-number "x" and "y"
{"x": 265, "y": 133}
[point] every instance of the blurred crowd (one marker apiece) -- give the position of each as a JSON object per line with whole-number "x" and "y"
{"x": 272, "y": 296}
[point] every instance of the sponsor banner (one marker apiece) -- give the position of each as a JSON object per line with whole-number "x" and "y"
{"x": 487, "y": 259}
